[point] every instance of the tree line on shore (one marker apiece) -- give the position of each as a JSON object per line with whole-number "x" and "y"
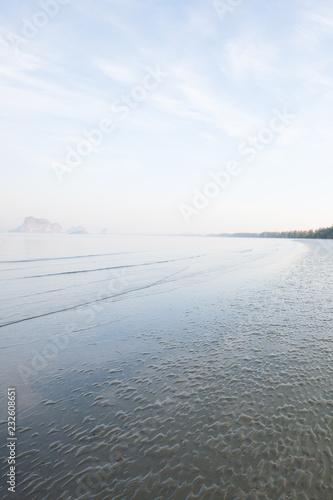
{"x": 321, "y": 233}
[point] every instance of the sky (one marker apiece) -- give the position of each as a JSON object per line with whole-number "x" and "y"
{"x": 167, "y": 117}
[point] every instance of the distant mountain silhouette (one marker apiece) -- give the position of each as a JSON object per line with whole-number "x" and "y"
{"x": 33, "y": 225}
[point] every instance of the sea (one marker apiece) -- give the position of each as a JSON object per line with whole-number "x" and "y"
{"x": 166, "y": 367}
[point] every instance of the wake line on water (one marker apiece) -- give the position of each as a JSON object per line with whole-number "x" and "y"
{"x": 77, "y": 306}
{"x": 196, "y": 273}
{"x": 77, "y": 330}
{"x": 166, "y": 279}
{"x": 106, "y": 268}
{"x": 69, "y": 257}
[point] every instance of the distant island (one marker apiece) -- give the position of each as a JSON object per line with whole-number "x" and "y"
{"x": 77, "y": 230}
{"x": 321, "y": 233}
{"x": 44, "y": 226}
{"x": 33, "y": 225}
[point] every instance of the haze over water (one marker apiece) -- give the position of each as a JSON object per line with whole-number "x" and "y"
{"x": 169, "y": 367}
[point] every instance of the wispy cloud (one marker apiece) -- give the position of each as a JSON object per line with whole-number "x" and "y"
{"x": 116, "y": 71}
{"x": 246, "y": 57}
{"x": 322, "y": 21}
{"x": 224, "y": 80}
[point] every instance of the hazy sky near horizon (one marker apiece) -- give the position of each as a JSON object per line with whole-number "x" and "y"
{"x": 116, "y": 114}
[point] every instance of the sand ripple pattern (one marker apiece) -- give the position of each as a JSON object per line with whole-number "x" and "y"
{"x": 235, "y": 401}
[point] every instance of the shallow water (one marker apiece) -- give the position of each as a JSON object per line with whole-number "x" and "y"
{"x": 163, "y": 367}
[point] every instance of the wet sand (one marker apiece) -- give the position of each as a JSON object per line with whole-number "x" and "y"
{"x": 218, "y": 388}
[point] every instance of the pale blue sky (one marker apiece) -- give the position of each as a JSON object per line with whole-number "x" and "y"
{"x": 222, "y": 80}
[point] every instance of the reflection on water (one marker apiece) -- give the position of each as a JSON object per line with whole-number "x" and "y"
{"x": 202, "y": 370}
